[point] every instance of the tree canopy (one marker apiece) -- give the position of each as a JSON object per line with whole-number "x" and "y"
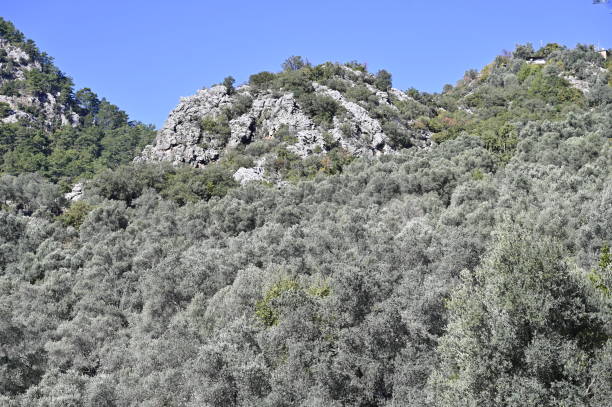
{"x": 473, "y": 272}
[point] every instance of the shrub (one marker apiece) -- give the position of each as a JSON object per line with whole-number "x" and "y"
{"x": 76, "y": 214}
{"x": 5, "y": 110}
{"x": 335, "y": 160}
{"x": 337, "y": 84}
{"x": 601, "y": 277}
{"x": 411, "y": 109}
{"x": 217, "y": 126}
{"x": 265, "y": 309}
{"x": 324, "y": 72}
{"x": 523, "y": 51}
{"x": 30, "y": 194}
{"x": 286, "y": 135}
{"x": 554, "y": 89}
{"x": 358, "y": 93}
{"x": 295, "y": 63}
{"x": 320, "y": 108}
{"x": 297, "y": 82}
{"x": 260, "y": 147}
{"x": 399, "y": 137}
{"x": 517, "y": 330}
{"x": 383, "y": 80}
{"x": 241, "y": 105}
{"x": 188, "y": 184}
{"x": 262, "y": 79}
{"x": 548, "y": 49}
{"x": 12, "y": 87}
{"x": 358, "y": 66}
{"x": 329, "y": 142}
{"x": 228, "y": 82}
{"x": 527, "y": 70}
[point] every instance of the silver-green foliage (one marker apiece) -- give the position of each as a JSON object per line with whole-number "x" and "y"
{"x": 438, "y": 276}
{"x": 523, "y": 330}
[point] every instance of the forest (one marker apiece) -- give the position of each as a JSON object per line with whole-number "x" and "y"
{"x": 103, "y": 137}
{"x": 474, "y": 272}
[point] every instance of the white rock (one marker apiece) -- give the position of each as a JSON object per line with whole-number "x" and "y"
{"x": 273, "y": 114}
{"x": 52, "y": 111}
{"x": 244, "y": 175}
{"x": 76, "y": 193}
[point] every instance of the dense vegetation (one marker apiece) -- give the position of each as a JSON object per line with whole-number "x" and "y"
{"x": 102, "y": 138}
{"x": 473, "y": 273}
{"x": 510, "y": 92}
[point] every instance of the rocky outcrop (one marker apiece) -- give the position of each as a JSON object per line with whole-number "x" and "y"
{"x": 21, "y": 105}
{"x": 76, "y": 193}
{"x": 591, "y": 77}
{"x": 182, "y": 139}
{"x": 244, "y": 175}
{"x": 205, "y": 126}
{"x": 370, "y": 136}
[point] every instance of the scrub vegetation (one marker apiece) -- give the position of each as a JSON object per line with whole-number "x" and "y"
{"x": 475, "y": 272}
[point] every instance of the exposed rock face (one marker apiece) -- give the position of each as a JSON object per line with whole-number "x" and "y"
{"x": 76, "y": 193}
{"x": 23, "y": 106}
{"x": 244, "y": 175}
{"x": 18, "y": 59}
{"x": 182, "y": 138}
{"x": 205, "y": 126}
{"x": 371, "y": 138}
{"x": 593, "y": 75}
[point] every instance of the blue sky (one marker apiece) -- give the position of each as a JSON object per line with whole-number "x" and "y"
{"x": 144, "y": 55}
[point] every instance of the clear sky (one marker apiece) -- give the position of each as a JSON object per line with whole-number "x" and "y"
{"x": 144, "y": 55}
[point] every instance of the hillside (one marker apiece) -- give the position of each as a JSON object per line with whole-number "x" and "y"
{"x": 390, "y": 248}
{"x": 336, "y": 111}
{"x": 49, "y": 128}
{"x": 308, "y": 119}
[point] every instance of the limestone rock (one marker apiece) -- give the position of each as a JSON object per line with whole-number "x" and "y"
{"x": 206, "y": 126}
{"x": 76, "y": 193}
{"x": 14, "y": 66}
{"x": 244, "y": 175}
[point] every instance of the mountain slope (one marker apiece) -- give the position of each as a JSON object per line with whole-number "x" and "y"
{"x": 32, "y": 89}
{"x": 306, "y": 119}
{"x": 475, "y": 271}
{"x": 302, "y": 112}
{"x": 47, "y": 127}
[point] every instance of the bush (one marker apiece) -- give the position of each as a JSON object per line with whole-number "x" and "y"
{"x": 320, "y": 108}
{"x": 358, "y": 66}
{"x": 358, "y": 93}
{"x": 30, "y": 194}
{"x": 76, "y": 214}
{"x": 241, "y": 105}
{"x": 189, "y": 184}
{"x": 297, "y": 82}
{"x": 523, "y": 51}
{"x": 337, "y": 84}
{"x": 217, "y": 126}
{"x": 554, "y": 90}
{"x": 228, "y": 82}
{"x": 12, "y": 87}
{"x": 5, "y": 110}
{"x": 335, "y": 160}
{"x": 286, "y": 135}
{"x": 383, "y": 80}
{"x": 399, "y": 137}
{"x": 265, "y": 309}
{"x": 295, "y": 63}
{"x": 527, "y": 70}
{"x": 261, "y": 80}
{"x": 127, "y": 182}
{"x": 517, "y": 328}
